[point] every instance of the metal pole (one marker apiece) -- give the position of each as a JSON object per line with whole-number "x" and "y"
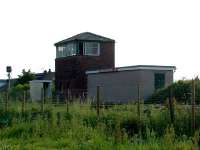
{"x": 8, "y": 70}
{"x": 8, "y": 93}
{"x": 9, "y": 81}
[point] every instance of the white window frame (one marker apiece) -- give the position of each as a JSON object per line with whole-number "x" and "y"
{"x": 89, "y": 54}
{"x": 60, "y": 51}
{"x": 66, "y": 50}
{"x": 73, "y": 49}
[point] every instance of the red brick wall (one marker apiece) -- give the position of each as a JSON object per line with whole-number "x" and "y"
{"x": 70, "y": 71}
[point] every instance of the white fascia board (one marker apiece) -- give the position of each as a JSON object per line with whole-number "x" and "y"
{"x": 40, "y": 81}
{"x": 131, "y": 68}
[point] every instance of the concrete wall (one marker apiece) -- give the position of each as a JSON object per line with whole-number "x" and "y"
{"x": 36, "y": 90}
{"x": 122, "y": 86}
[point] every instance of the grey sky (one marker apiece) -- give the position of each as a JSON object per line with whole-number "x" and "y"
{"x": 147, "y": 32}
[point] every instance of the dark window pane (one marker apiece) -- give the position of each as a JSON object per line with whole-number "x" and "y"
{"x": 80, "y": 48}
{"x": 159, "y": 81}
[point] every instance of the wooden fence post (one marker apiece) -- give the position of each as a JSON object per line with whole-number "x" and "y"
{"x": 138, "y": 101}
{"x": 139, "y": 108}
{"x": 42, "y": 100}
{"x": 23, "y": 101}
{"x": 67, "y": 100}
{"x": 98, "y": 100}
{"x": 171, "y": 108}
{"x": 193, "y": 106}
{"x": 6, "y": 101}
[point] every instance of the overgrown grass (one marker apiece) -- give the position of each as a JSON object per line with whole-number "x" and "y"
{"x": 117, "y": 127}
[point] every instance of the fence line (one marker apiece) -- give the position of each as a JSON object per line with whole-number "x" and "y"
{"x": 79, "y": 95}
{"x": 83, "y": 96}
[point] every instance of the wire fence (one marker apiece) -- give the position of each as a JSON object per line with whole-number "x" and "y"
{"x": 101, "y": 97}
{"x": 108, "y": 95}
{"x": 26, "y": 104}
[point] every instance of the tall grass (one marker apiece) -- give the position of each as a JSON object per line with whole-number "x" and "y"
{"x": 117, "y": 127}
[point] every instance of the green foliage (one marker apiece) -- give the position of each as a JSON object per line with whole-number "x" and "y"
{"x": 181, "y": 90}
{"x": 117, "y": 127}
{"x": 17, "y": 91}
{"x": 21, "y": 85}
{"x": 25, "y": 77}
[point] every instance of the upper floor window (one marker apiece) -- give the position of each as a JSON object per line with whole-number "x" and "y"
{"x": 92, "y": 48}
{"x": 79, "y": 48}
{"x": 59, "y": 52}
{"x": 66, "y": 50}
{"x": 70, "y": 49}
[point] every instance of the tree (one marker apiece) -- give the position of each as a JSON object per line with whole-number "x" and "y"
{"x": 22, "y": 84}
{"x": 25, "y": 77}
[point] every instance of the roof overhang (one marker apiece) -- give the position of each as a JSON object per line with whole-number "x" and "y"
{"x": 40, "y": 81}
{"x": 131, "y": 68}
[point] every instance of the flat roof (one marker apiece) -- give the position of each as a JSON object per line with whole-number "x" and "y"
{"x": 131, "y": 68}
{"x": 40, "y": 81}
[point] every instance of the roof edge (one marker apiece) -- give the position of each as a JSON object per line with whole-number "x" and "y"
{"x": 130, "y": 68}
{"x": 73, "y": 38}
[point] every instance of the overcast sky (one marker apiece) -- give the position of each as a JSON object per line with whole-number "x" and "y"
{"x": 147, "y": 32}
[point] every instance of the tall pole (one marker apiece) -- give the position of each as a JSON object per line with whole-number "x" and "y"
{"x": 8, "y": 70}
{"x": 8, "y": 81}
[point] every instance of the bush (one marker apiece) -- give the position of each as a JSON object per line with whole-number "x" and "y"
{"x": 181, "y": 90}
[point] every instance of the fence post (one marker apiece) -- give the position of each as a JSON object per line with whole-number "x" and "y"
{"x": 23, "y": 101}
{"x": 98, "y": 100}
{"x": 67, "y": 100}
{"x": 171, "y": 108}
{"x": 6, "y": 102}
{"x": 139, "y": 108}
{"x": 138, "y": 101}
{"x": 42, "y": 100}
{"x": 193, "y": 105}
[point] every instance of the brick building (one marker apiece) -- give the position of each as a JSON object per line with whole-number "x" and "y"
{"x": 87, "y": 60}
{"x": 78, "y": 54}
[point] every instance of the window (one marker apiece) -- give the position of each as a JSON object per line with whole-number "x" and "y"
{"x": 60, "y": 51}
{"x": 92, "y": 48}
{"x": 159, "y": 81}
{"x": 66, "y": 50}
{"x": 70, "y": 49}
{"x": 79, "y": 48}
